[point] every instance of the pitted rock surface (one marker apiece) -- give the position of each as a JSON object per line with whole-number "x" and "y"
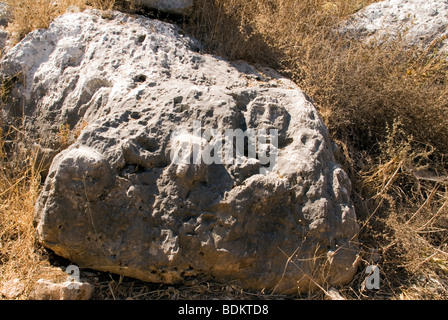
{"x": 419, "y": 23}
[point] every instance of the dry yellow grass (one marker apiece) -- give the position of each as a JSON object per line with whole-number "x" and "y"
{"x": 32, "y": 15}
{"x": 19, "y": 187}
{"x": 384, "y": 106}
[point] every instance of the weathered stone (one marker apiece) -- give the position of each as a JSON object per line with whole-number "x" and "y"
{"x": 12, "y": 289}
{"x": 4, "y": 36}
{"x": 68, "y": 290}
{"x": 173, "y": 6}
{"x": 418, "y": 22}
{"x": 116, "y": 200}
{"x": 6, "y": 15}
{"x": 72, "y": 9}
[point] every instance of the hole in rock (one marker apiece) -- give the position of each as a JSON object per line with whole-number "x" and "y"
{"x": 141, "y": 38}
{"x": 140, "y": 78}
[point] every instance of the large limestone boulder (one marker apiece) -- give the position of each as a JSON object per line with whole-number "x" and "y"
{"x": 154, "y": 188}
{"x": 419, "y": 22}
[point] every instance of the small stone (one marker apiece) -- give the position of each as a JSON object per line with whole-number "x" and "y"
{"x": 170, "y": 6}
{"x": 72, "y": 9}
{"x": 333, "y": 294}
{"x": 12, "y": 289}
{"x": 6, "y": 15}
{"x": 47, "y": 290}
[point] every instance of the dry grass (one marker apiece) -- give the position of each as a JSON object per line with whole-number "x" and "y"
{"x": 20, "y": 258}
{"x": 30, "y": 15}
{"x": 37, "y": 14}
{"x": 67, "y": 136}
{"x": 384, "y": 106}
